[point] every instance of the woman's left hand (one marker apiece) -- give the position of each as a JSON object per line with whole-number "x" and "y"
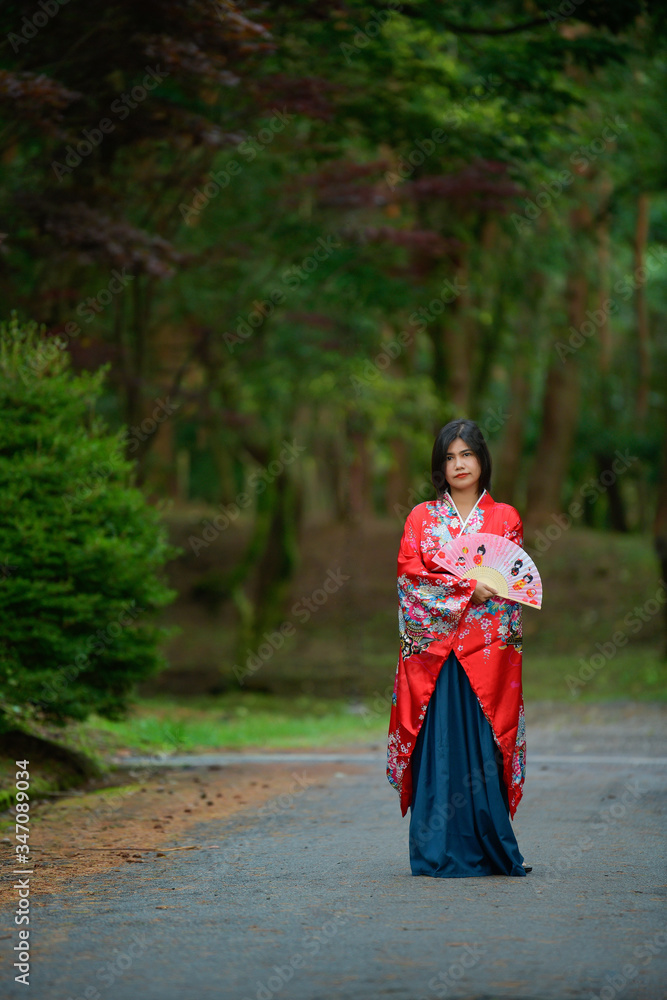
{"x": 482, "y": 592}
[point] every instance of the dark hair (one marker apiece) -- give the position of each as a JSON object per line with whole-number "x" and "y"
{"x": 469, "y": 432}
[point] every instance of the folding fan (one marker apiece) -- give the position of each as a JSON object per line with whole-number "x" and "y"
{"x": 495, "y": 560}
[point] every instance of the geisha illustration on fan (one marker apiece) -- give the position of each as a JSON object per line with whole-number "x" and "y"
{"x": 456, "y": 743}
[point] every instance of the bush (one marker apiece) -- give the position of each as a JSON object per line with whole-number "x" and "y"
{"x": 81, "y": 550}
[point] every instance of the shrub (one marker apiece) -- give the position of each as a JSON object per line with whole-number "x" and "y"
{"x": 81, "y": 550}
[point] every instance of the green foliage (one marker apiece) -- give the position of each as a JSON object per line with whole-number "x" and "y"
{"x": 80, "y": 549}
{"x": 422, "y": 144}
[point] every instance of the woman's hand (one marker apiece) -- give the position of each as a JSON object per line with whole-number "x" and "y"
{"x": 482, "y": 592}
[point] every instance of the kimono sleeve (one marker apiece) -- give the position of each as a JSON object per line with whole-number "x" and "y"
{"x": 513, "y": 527}
{"x": 431, "y": 601}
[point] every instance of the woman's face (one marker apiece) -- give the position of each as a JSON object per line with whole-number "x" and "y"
{"x": 462, "y": 468}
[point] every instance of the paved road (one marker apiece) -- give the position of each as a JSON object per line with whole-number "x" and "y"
{"x": 314, "y": 900}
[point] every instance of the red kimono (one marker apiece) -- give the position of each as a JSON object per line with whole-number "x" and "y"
{"x": 435, "y": 616}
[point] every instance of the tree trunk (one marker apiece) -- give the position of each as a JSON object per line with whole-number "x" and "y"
{"x": 398, "y": 478}
{"x": 280, "y": 556}
{"x": 459, "y": 344}
{"x": 359, "y": 477}
{"x": 604, "y": 282}
{"x": 440, "y": 365}
{"x": 641, "y": 237}
{"x": 617, "y": 518}
{"x": 660, "y": 533}
{"x": 507, "y": 478}
{"x": 508, "y": 465}
{"x": 560, "y": 411}
{"x": 453, "y": 335}
{"x": 134, "y": 363}
{"x": 617, "y": 515}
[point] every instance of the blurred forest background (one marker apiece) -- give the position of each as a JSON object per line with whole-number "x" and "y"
{"x": 301, "y": 237}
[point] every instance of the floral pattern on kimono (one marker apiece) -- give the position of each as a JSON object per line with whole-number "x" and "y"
{"x": 435, "y": 616}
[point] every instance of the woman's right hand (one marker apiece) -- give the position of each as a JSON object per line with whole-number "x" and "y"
{"x": 482, "y": 592}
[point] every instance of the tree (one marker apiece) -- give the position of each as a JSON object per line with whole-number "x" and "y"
{"x": 299, "y": 190}
{"x": 81, "y": 551}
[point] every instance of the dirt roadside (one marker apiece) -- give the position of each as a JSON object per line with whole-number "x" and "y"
{"x": 149, "y": 817}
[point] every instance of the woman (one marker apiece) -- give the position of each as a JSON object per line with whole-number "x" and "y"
{"x": 456, "y": 747}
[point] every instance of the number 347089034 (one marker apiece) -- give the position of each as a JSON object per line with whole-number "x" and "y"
{"x": 22, "y": 807}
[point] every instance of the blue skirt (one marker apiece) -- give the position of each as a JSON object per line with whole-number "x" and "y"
{"x": 459, "y": 817}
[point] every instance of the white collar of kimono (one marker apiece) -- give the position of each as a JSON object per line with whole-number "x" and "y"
{"x": 448, "y": 497}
